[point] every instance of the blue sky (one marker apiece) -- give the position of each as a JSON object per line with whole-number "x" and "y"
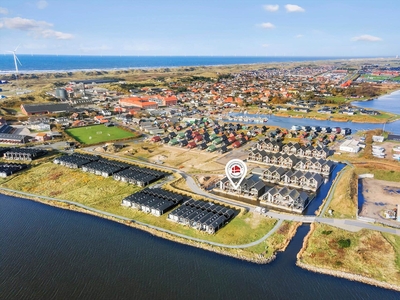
{"x": 207, "y": 27}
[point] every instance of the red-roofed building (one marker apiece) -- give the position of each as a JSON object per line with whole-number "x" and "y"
{"x": 192, "y": 145}
{"x": 169, "y": 101}
{"x": 142, "y": 103}
{"x": 42, "y": 137}
{"x": 156, "y": 139}
{"x": 98, "y": 118}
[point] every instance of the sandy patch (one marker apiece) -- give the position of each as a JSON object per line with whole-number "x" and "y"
{"x": 379, "y": 195}
{"x": 187, "y": 159}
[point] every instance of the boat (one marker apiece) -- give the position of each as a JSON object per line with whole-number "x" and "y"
{"x": 296, "y": 127}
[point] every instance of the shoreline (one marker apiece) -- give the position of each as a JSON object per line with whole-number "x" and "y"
{"x": 348, "y": 276}
{"x": 76, "y": 207}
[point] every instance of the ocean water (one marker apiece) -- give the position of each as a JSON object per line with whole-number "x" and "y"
{"x": 50, "y": 253}
{"x": 55, "y": 63}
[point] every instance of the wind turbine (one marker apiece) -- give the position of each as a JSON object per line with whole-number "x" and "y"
{"x": 16, "y": 64}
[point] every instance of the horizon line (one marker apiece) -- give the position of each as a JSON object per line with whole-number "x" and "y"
{"x": 220, "y": 55}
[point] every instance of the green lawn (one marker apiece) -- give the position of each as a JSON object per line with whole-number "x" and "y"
{"x": 375, "y": 77}
{"x": 98, "y": 134}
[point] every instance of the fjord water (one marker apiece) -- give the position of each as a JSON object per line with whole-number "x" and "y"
{"x": 50, "y": 253}
{"x": 389, "y": 103}
{"x": 287, "y": 123}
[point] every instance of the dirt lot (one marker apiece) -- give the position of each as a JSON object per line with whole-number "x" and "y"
{"x": 388, "y": 148}
{"x": 379, "y": 195}
{"x": 192, "y": 160}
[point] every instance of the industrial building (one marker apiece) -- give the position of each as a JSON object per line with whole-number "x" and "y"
{"x": 351, "y": 146}
{"x": 45, "y": 108}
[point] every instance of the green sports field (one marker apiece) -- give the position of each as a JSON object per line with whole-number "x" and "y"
{"x": 98, "y": 134}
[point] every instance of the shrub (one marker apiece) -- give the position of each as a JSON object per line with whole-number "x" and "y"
{"x": 327, "y": 232}
{"x": 344, "y": 243}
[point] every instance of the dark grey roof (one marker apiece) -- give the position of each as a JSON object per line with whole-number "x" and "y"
{"x": 47, "y": 107}
{"x": 14, "y": 137}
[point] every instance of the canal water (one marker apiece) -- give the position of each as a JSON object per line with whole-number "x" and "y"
{"x": 50, "y": 253}
{"x": 360, "y": 196}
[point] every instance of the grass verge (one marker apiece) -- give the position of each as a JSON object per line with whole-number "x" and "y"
{"x": 344, "y": 200}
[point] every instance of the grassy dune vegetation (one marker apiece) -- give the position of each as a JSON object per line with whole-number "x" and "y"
{"x": 366, "y": 253}
{"x": 52, "y": 180}
{"x": 344, "y": 200}
{"x": 389, "y": 171}
{"x": 98, "y": 134}
{"x": 106, "y": 194}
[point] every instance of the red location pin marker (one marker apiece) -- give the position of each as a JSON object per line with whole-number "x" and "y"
{"x": 236, "y": 171}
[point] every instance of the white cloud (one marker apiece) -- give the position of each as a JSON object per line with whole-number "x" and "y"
{"x": 271, "y": 7}
{"x": 299, "y": 36}
{"x": 42, "y": 4}
{"x": 366, "y": 38}
{"x": 38, "y": 28}
{"x": 50, "y": 33}
{"x": 265, "y": 45}
{"x": 3, "y": 11}
{"x": 24, "y": 24}
{"x": 294, "y": 8}
{"x": 267, "y": 25}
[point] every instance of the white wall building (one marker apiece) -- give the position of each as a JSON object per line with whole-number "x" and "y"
{"x": 350, "y": 146}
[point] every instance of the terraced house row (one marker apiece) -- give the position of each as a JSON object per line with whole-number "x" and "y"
{"x": 9, "y": 169}
{"x": 104, "y": 167}
{"x": 154, "y": 201}
{"x": 288, "y": 161}
{"x": 296, "y": 179}
{"x": 280, "y": 197}
{"x": 202, "y": 215}
{"x": 285, "y": 198}
{"x": 249, "y": 187}
{"x": 22, "y": 153}
{"x": 295, "y": 149}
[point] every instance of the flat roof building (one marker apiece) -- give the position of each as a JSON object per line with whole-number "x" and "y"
{"x": 351, "y": 146}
